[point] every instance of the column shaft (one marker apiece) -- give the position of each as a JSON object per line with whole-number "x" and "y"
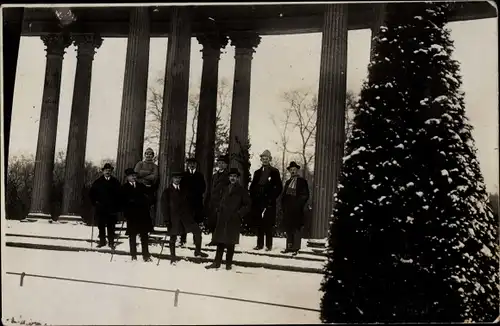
{"x": 74, "y": 172}
{"x": 207, "y": 113}
{"x": 175, "y": 99}
{"x": 330, "y": 135}
{"x": 47, "y": 132}
{"x": 240, "y": 108}
{"x": 135, "y": 87}
{"x": 379, "y": 13}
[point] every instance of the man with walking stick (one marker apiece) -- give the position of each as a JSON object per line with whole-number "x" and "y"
{"x": 136, "y": 211}
{"x": 179, "y": 216}
{"x": 105, "y": 197}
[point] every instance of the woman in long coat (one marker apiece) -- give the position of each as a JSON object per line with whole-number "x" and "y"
{"x": 235, "y": 204}
{"x": 136, "y": 212}
{"x": 178, "y": 215}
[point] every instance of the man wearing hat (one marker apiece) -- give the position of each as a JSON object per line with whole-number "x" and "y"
{"x": 105, "y": 197}
{"x": 193, "y": 182}
{"x": 293, "y": 200}
{"x": 220, "y": 180}
{"x": 178, "y": 215}
{"x": 136, "y": 211}
{"x": 234, "y": 205}
{"x": 265, "y": 189}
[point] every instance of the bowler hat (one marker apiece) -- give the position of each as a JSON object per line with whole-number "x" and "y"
{"x": 234, "y": 171}
{"x": 107, "y": 166}
{"x": 130, "y": 171}
{"x": 191, "y": 160}
{"x": 293, "y": 165}
{"x": 177, "y": 174}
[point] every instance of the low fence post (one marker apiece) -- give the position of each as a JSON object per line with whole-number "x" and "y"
{"x": 176, "y": 297}
{"x": 23, "y": 274}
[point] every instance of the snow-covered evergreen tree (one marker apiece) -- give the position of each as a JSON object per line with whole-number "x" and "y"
{"x": 413, "y": 238}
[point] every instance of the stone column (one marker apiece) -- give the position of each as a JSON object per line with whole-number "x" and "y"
{"x": 12, "y": 27}
{"x": 245, "y": 44}
{"x": 207, "y": 112}
{"x": 379, "y": 14}
{"x": 135, "y": 88}
{"x": 74, "y": 172}
{"x": 47, "y": 132}
{"x": 175, "y": 99}
{"x": 330, "y": 130}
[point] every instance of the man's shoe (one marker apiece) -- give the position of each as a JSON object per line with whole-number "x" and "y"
{"x": 134, "y": 257}
{"x": 295, "y": 252}
{"x": 147, "y": 258}
{"x": 212, "y": 266}
{"x": 229, "y": 267}
{"x": 112, "y": 246}
{"x": 286, "y": 251}
{"x": 269, "y": 249}
{"x": 200, "y": 254}
{"x": 101, "y": 244}
{"x": 257, "y": 248}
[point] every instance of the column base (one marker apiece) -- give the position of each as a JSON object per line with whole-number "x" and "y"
{"x": 70, "y": 218}
{"x": 39, "y": 216}
{"x": 317, "y": 243}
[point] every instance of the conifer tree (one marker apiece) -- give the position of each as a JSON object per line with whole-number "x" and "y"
{"x": 412, "y": 238}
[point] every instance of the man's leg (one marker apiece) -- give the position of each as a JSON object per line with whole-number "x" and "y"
{"x": 101, "y": 225}
{"x": 297, "y": 240}
{"x": 218, "y": 257}
{"x": 145, "y": 246}
{"x": 229, "y": 256}
{"x": 259, "y": 227}
{"x": 171, "y": 244}
{"x": 268, "y": 231}
{"x": 111, "y": 226}
{"x": 183, "y": 239}
{"x": 133, "y": 245}
{"x": 289, "y": 241}
{"x": 197, "y": 243}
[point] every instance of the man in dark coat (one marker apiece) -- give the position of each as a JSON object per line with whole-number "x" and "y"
{"x": 293, "y": 200}
{"x": 105, "y": 197}
{"x": 194, "y": 183}
{"x": 179, "y": 216}
{"x": 136, "y": 211}
{"x": 235, "y": 204}
{"x": 220, "y": 180}
{"x": 265, "y": 189}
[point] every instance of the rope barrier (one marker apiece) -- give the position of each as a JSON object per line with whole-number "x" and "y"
{"x": 176, "y": 292}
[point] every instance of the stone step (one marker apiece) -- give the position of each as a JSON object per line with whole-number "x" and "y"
{"x": 154, "y": 240}
{"x": 198, "y": 260}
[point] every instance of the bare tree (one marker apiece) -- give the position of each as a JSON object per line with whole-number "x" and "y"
{"x": 282, "y": 125}
{"x": 155, "y": 104}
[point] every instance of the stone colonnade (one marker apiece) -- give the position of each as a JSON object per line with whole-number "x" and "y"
{"x": 330, "y": 124}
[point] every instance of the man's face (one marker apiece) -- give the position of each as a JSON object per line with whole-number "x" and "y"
{"x": 106, "y": 172}
{"x": 176, "y": 180}
{"x": 233, "y": 178}
{"x": 293, "y": 171}
{"x": 149, "y": 155}
{"x": 131, "y": 178}
{"x": 222, "y": 165}
{"x": 191, "y": 165}
{"x": 265, "y": 160}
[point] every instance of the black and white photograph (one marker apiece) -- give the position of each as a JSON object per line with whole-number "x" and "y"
{"x": 250, "y": 163}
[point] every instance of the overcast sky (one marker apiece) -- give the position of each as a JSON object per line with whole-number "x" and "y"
{"x": 280, "y": 63}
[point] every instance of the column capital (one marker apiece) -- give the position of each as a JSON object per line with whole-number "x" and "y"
{"x": 245, "y": 42}
{"x": 87, "y": 44}
{"x": 56, "y": 43}
{"x": 212, "y": 43}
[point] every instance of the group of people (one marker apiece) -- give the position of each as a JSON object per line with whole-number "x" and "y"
{"x": 185, "y": 203}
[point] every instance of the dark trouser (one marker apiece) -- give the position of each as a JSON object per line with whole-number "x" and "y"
{"x": 264, "y": 231}
{"x": 196, "y": 240}
{"x": 293, "y": 238}
{"x": 144, "y": 244}
{"x": 220, "y": 252}
{"x": 106, "y": 221}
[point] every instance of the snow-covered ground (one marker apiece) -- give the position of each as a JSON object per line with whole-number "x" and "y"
{"x": 68, "y": 302}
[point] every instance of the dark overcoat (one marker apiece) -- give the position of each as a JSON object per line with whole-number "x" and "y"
{"x": 177, "y": 211}
{"x": 195, "y": 186}
{"x": 136, "y": 208}
{"x": 220, "y": 180}
{"x": 105, "y": 196}
{"x": 234, "y": 205}
{"x": 265, "y": 196}
{"x": 293, "y": 204}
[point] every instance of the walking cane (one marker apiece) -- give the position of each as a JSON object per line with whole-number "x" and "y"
{"x": 114, "y": 247}
{"x": 161, "y": 251}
